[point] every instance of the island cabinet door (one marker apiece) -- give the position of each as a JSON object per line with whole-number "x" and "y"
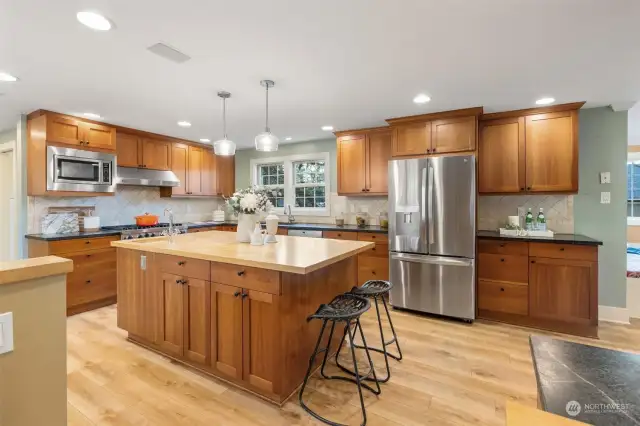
{"x": 261, "y": 335}
{"x": 196, "y": 320}
{"x": 226, "y": 330}
{"x": 172, "y": 324}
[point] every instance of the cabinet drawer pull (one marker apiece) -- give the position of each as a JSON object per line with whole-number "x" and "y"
{"x": 87, "y": 242}
{"x": 240, "y": 273}
{"x": 244, "y": 295}
{"x": 501, "y": 288}
{"x": 521, "y": 189}
{"x": 528, "y": 188}
{"x": 373, "y": 249}
{"x": 533, "y": 261}
{"x": 373, "y": 272}
{"x": 236, "y": 294}
{"x": 502, "y": 245}
{"x": 181, "y": 263}
{"x": 87, "y": 282}
{"x": 86, "y": 143}
{"x": 433, "y": 150}
{"x": 501, "y": 260}
{"x": 561, "y": 248}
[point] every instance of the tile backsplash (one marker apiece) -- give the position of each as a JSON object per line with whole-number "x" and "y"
{"x": 129, "y": 201}
{"x": 558, "y": 209}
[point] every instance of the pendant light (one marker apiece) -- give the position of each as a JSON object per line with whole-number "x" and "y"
{"x": 267, "y": 141}
{"x": 224, "y": 146}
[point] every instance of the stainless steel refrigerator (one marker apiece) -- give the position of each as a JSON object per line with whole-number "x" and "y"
{"x": 432, "y": 229}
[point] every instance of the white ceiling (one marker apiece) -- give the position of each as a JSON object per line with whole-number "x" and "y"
{"x": 348, "y": 63}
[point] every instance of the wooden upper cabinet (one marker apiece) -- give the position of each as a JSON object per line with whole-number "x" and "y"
{"x": 411, "y": 139}
{"x": 99, "y": 136}
{"x": 225, "y": 175}
{"x": 226, "y": 330}
{"x": 552, "y": 152}
{"x": 501, "y": 156}
{"x": 128, "y": 151}
{"x": 64, "y": 130}
{"x": 156, "y": 154}
{"x": 260, "y": 336}
{"x": 453, "y": 135}
{"x": 352, "y": 164}
{"x": 179, "y": 166}
{"x": 378, "y": 156}
{"x": 563, "y": 290}
{"x": 195, "y": 171}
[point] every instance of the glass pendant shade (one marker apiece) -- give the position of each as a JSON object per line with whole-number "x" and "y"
{"x": 267, "y": 141}
{"x": 224, "y": 146}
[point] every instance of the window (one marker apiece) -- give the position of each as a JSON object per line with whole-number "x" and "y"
{"x": 633, "y": 189}
{"x": 297, "y": 180}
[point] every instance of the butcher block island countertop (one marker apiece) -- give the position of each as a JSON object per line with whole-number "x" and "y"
{"x": 231, "y": 310}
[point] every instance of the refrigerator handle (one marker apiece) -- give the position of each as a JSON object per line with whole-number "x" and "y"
{"x": 430, "y": 204}
{"x": 423, "y": 212}
{"x": 433, "y": 260}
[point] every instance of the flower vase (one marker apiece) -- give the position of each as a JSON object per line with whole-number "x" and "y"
{"x": 246, "y": 223}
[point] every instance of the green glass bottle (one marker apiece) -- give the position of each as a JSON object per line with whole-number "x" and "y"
{"x": 528, "y": 220}
{"x": 541, "y": 221}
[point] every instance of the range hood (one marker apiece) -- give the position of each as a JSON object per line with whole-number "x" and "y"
{"x": 146, "y": 177}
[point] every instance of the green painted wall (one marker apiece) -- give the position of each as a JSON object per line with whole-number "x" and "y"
{"x": 603, "y": 148}
{"x": 7, "y": 135}
{"x": 244, "y": 157}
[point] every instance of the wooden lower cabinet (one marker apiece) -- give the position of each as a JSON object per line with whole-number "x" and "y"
{"x": 172, "y": 314}
{"x": 226, "y": 330}
{"x": 543, "y": 285}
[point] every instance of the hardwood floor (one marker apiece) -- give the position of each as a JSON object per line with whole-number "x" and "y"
{"x": 452, "y": 374}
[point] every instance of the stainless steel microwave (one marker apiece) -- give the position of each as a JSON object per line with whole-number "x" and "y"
{"x": 77, "y": 170}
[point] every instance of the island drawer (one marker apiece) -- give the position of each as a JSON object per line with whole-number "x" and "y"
{"x": 340, "y": 235}
{"x": 183, "y": 266}
{"x": 258, "y": 279}
{"x": 564, "y": 251}
{"x": 503, "y": 247}
{"x": 373, "y": 237}
{"x": 503, "y": 267}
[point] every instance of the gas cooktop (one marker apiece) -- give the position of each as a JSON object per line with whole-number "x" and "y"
{"x": 130, "y": 232}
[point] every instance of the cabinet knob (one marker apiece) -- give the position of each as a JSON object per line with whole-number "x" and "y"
{"x": 501, "y": 260}
{"x": 373, "y": 249}
{"x": 236, "y": 294}
{"x": 87, "y": 282}
{"x": 178, "y": 282}
{"x": 339, "y": 235}
{"x": 181, "y": 263}
{"x": 240, "y": 273}
{"x": 244, "y": 295}
{"x": 533, "y": 261}
{"x": 433, "y": 150}
{"x": 373, "y": 272}
{"x": 528, "y": 188}
{"x": 522, "y": 189}
{"x": 502, "y": 245}
{"x": 86, "y": 143}
{"x": 87, "y": 242}
{"x": 501, "y": 288}
{"x": 561, "y": 248}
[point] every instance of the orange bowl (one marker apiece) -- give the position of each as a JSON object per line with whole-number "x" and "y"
{"x": 146, "y": 220}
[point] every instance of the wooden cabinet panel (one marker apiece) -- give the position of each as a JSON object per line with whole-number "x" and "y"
{"x": 93, "y": 277}
{"x": 503, "y": 267}
{"x": 503, "y": 247}
{"x": 372, "y": 267}
{"x": 209, "y": 186}
{"x": 194, "y": 171}
{"x": 128, "y": 150}
{"x": 503, "y": 297}
{"x": 265, "y": 280}
{"x": 197, "y": 306}
{"x": 552, "y": 152}
{"x": 64, "y": 130}
{"x": 226, "y": 330}
{"x": 564, "y": 251}
{"x": 453, "y": 135}
{"x": 378, "y": 156}
{"x": 80, "y": 244}
{"x": 183, "y": 266}
{"x": 411, "y": 139}
{"x": 225, "y": 175}
{"x": 563, "y": 290}
{"x": 179, "y": 166}
{"x": 172, "y": 324}
{"x": 373, "y": 237}
{"x": 501, "y": 156}
{"x": 352, "y": 164}
{"x": 340, "y": 235}
{"x": 156, "y": 154}
{"x": 99, "y": 136}
{"x": 261, "y": 332}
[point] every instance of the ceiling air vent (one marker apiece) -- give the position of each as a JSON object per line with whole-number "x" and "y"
{"x": 169, "y": 53}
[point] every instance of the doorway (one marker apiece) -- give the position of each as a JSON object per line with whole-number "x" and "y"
{"x": 8, "y": 223}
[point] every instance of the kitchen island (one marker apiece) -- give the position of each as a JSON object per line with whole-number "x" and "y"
{"x": 234, "y": 311}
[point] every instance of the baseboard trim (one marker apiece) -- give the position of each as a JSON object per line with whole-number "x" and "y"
{"x": 613, "y": 314}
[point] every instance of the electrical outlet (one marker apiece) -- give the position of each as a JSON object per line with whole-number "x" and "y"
{"x": 6, "y": 332}
{"x": 143, "y": 263}
{"x": 605, "y": 198}
{"x": 605, "y": 177}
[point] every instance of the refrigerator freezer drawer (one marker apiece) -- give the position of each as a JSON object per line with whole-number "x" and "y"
{"x": 434, "y": 284}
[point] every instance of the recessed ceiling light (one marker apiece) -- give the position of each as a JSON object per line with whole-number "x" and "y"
{"x": 421, "y": 99}
{"x": 184, "y": 124}
{"x": 7, "y": 77}
{"x": 288, "y": 138}
{"x": 545, "y": 101}
{"x": 327, "y": 128}
{"x": 94, "y": 20}
{"x": 205, "y": 140}
{"x": 92, "y": 115}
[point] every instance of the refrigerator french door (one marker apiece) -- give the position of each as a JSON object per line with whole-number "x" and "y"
{"x": 432, "y": 228}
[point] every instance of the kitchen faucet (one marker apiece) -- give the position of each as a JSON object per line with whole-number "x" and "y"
{"x": 287, "y": 211}
{"x": 171, "y": 231}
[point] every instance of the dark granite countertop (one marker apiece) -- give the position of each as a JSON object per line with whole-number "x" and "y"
{"x": 557, "y": 238}
{"x": 601, "y": 385}
{"x": 301, "y": 226}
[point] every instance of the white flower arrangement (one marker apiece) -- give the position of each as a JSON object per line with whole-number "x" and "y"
{"x": 249, "y": 201}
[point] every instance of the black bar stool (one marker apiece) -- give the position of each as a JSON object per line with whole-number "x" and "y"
{"x": 348, "y": 308}
{"x": 375, "y": 289}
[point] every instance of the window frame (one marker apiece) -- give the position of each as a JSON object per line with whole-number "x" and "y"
{"x": 289, "y": 181}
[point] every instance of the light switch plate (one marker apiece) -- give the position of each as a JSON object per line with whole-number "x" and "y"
{"x": 605, "y": 198}
{"x": 605, "y": 177}
{"x": 6, "y": 329}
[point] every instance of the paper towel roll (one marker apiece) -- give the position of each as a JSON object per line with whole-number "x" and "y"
{"x": 514, "y": 220}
